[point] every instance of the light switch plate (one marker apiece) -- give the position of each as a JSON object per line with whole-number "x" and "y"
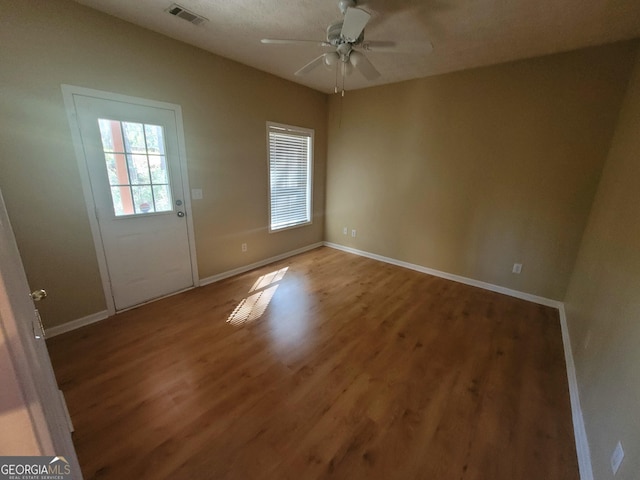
{"x": 196, "y": 194}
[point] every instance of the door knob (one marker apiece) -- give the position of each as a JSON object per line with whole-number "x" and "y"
{"x": 38, "y": 295}
{"x": 181, "y": 214}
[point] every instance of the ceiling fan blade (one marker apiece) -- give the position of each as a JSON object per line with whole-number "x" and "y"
{"x": 418, "y": 48}
{"x": 354, "y": 22}
{"x": 364, "y": 66}
{"x": 284, "y": 41}
{"x": 382, "y": 46}
{"x": 312, "y": 65}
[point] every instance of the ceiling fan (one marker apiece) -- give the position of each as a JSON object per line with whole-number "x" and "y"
{"x": 346, "y": 38}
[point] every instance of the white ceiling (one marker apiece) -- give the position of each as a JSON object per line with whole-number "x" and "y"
{"x": 464, "y": 33}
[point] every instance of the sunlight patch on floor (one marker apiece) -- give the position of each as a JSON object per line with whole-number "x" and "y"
{"x": 268, "y": 279}
{"x": 254, "y": 305}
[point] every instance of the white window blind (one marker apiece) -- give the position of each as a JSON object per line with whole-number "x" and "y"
{"x": 290, "y": 166}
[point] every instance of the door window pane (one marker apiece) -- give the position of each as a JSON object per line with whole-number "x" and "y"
{"x": 158, "y": 167}
{"x": 112, "y": 169}
{"x": 118, "y": 204}
{"x": 139, "y": 169}
{"x": 143, "y": 199}
{"x": 162, "y": 198}
{"x": 134, "y": 137}
{"x": 136, "y": 167}
{"x": 155, "y": 143}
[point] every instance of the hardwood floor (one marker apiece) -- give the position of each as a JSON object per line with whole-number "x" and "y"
{"x": 324, "y": 365}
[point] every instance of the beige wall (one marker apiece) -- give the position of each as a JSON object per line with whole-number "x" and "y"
{"x": 225, "y": 106}
{"x": 471, "y": 172}
{"x": 603, "y": 302}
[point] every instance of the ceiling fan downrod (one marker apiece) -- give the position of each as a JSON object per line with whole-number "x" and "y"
{"x": 343, "y": 5}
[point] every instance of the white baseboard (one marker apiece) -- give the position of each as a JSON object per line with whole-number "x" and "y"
{"x": 74, "y": 324}
{"x": 96, "y": 317}
{"x": 579, "y": 430}
{"x": 450, "y": 276}
{"x": 582, "y": 445}
{"x": 261, "y": 263}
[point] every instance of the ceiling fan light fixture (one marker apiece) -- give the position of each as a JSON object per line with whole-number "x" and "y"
{"x": 355, "y": 58}
{"x": 331, "y": 59}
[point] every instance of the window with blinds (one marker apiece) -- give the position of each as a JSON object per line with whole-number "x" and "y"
{"x": 290, "y": 165}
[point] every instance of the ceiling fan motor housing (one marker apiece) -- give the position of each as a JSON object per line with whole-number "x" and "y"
{"x": 335, "y": 38}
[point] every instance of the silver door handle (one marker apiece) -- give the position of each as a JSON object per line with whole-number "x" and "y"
{"x": 181, "y": 214}
{"x": 38, "y": 295}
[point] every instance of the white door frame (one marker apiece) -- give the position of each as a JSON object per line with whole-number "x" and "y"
{"x": 68, "y": 91}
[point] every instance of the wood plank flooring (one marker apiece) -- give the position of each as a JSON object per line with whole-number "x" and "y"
{"x": 324, "y": 365}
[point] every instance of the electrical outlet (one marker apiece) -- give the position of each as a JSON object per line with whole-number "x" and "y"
{"x": 517, "y": 268}
{"x": 344, "y": 230}
{"x": 244, "y": 247}
{"x": 353, "y": 233}
{"x": 616, "y": 458}
{"x": 587, "y": 339}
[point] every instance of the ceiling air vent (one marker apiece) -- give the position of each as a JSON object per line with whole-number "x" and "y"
{"x": 181, "y": 12}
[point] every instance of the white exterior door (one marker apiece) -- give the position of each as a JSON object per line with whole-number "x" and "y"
{"x": 134, "y": 167}
{"x": 34, "y": 421}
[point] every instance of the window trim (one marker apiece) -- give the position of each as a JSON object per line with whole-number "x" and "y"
{"x": 298, "y": 130}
